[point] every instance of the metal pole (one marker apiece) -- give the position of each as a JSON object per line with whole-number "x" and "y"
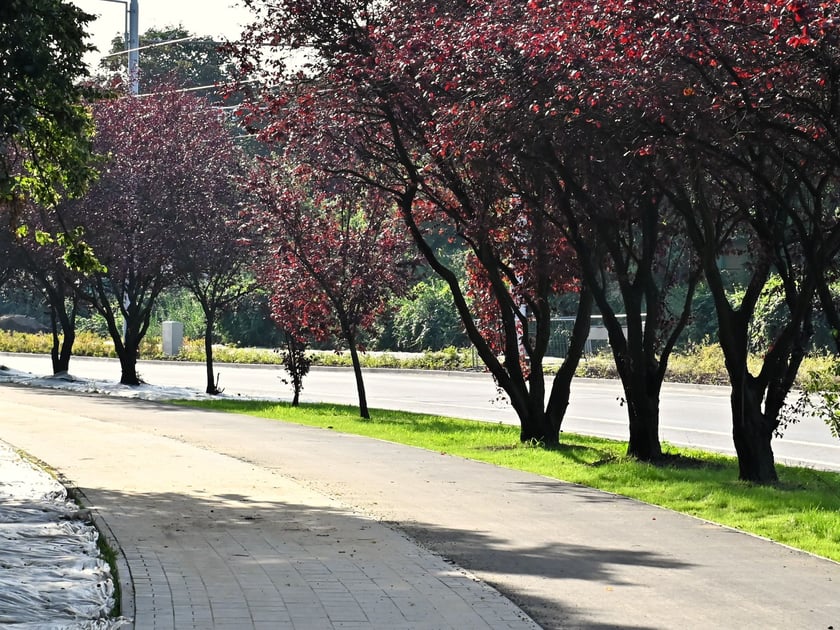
{"x": 134, "y": 44}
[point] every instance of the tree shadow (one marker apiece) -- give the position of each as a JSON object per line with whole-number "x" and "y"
{"x": 228, "y": 532}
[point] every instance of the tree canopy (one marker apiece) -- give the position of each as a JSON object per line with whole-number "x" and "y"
{"x": 361, "y": 112}
{"x": 44, "y": 127}
{"x": 169, "y": 178}
{"x": 337, "y": 255}
{"x": 646, "y": 138}
{"x": 190, "y": 61}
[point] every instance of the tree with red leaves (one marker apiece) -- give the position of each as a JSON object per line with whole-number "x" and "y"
{"x": 727, "y": 114}
{"x": 720, "y": 123}
{"x": 336, "y": 255}
{"x": 362, "y": 110}
{"x": 169, "y": 158}
{"x": 214, "y": 257}
{"x": 636, "y": 127}
{"x": 520, "y": 87}
{"x": 741, "y": 120}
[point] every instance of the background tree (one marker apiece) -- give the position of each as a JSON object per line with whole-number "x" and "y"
{"x": 168, "y": 159}
{"x": 192, "y": 61}
{"x": 248, "y": 321}
{"x": 335, "y": 259}
{"x": 8, "y": 264}
{"x": 425, "y": 319}
{"x": 44, "y": 265}
{"x": 213, "y": 258}
{"x": 44, "y": 128}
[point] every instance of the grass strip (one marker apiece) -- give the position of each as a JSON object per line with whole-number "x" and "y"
{"x": 802, "y": 510}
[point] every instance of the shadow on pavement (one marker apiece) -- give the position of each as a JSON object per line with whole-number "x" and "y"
{"x": 290, "y": 543}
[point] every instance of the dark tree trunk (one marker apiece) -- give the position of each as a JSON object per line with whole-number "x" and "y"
{"x": 643, "y": 414}
{"x": 61, "y": 359}
{"x": 641, "y": 379}
{"x": 128, "y": 365}
{"x": 360, "y": 384}
{"x": 752, "y": 428}
{"x": 129, "y": 352}
{"x": 561, "y": 386}
{"x": 752, "y": 433}
{"x": 641, "y": 382}
{"x": 62, "y": 349}
{"x": 542, "y": 421}
{"x": 350, "y": 338}
{"x": 212, "y": 387}
{"x": 528, "y": 402}
{"x": 535, "y": 426}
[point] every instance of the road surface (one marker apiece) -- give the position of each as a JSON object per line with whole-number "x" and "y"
{"x": 691, "y": 415}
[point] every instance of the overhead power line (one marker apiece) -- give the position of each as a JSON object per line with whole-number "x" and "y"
{"x": 155, "y": 45}
{"x": 194, "y": 89}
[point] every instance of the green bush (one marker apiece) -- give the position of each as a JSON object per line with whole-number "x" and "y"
{"x": 701, "y": 364}
{"x": 181, "y": 306}
{"x": 427, "y": 320}
{"x": 25, "y": 342}
{"x": 92, "y": 323}
{"x": 819, "y": 397}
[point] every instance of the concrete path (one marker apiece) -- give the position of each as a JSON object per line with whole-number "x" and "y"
{"x": 229, "y": 521}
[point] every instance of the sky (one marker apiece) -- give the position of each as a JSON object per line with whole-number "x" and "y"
{"x": 218, "y": 18}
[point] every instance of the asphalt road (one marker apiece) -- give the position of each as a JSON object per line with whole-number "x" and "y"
{"x": 696, "y": 416}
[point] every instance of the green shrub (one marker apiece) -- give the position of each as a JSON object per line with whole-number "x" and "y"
{"x": 701, "y": 364}
{"x": 426, "y": 319}
{"x": 181, "y": 306}
{"x": 819, "y": 397}
{"x": 89, "y": 344}
{"x": 597, "y": 365}
{"x": 25, "y": 342}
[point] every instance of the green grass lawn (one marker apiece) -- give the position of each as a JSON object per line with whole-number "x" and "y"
{"x": 802, "y": 510}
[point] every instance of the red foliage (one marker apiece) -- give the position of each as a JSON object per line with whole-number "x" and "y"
{"x": 336, "y": 252}
{"x": 537, "y": 262}
{"x": 166, "y": 181}
{"x": 582, "y": 109}
{"x": 380, "y": 103}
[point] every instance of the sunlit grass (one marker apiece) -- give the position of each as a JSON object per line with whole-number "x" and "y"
{"x": 802, "y": 510}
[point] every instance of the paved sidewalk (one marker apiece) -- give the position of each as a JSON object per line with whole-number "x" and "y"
{"x": 226, "y": 522}
{"x": 214, "y": 542}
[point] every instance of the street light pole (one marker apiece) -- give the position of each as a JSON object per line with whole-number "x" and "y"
{"x": 132, "y": 42}
{"x": 133, "y": 47}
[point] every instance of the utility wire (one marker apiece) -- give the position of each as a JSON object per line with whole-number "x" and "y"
{"x": 196, "y": 89}
{"x": 156, "y": 45}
